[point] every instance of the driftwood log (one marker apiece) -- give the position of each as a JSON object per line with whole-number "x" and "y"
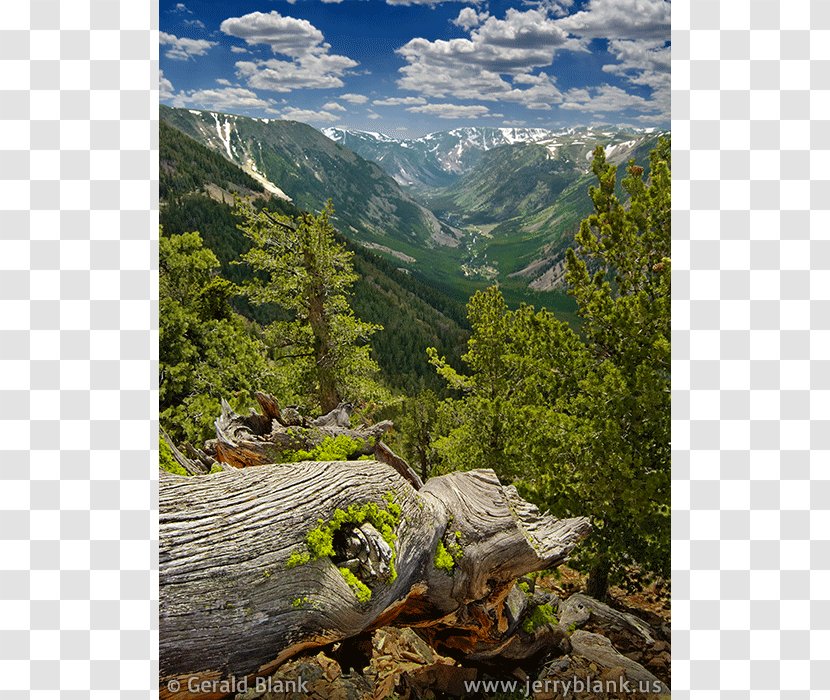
{"x": 268, "y": 437}
{"x": 231, "y": 606}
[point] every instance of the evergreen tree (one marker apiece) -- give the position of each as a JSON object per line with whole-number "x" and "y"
{"x": 581, "y": 421}
{"x": 302, "y": 269}
{"x": 206, "y": 351}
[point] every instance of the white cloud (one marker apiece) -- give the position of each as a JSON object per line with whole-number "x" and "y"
{"x": 306, "y": 115}
{"x": 469, "y": 18}
{"x": 496, "y": 63}
{"x": 181, "y": 8}
{"x": 321, "y": 71}
{"x": 354, "y": 98}
{"x": 642, "y": 62}
{"x": 222, "y": 99}
{"x": 195, "y": 23}
{"x": 223, "y": 81}
{"x": 310, "y": 64}
{"x": 182, "y": 48}
{"x": 165, "y": 87}
{"x": 285, "y": 35}
{"x": 334, "y": 107}
{"x": 621, "y": 19}
{"x": 394, "y": 101}
{"x": 373, "y": 115}
{"x": 606, "y": 99}
{"x": 451, "y": 111}
{"x": 558, "y": 8}
{"x": 239, "y": 49}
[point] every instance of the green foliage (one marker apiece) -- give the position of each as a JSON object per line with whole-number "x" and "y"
{"x": 215, "y": 469}
{"x": 447, "y": 554}
{"x": 580, "y": 421}
{"x": 300, "y": 602}
{"x": 331, "y": 449}
{"x": 297, "y": 559}
{"x": 360, "y": 589}
{"x": 166, "y": 460}
{"x": 306, "y": 272}
{"x": 320, "y": 541}
{"x": 540, "y": 615}
{"x": 443, "y": 559}
{"x": 206, "y": 350}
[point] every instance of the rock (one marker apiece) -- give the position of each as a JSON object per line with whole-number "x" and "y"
{"x": 598, "y": 652}
{"x": 626, "y": 631}
{"x": 310, "y": 678}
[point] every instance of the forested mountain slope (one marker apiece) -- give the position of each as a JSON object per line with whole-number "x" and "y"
{"x": 196, "y": 185}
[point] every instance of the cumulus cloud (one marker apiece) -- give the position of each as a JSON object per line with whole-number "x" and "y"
{"x": 334, "y": 107}
{"x": 354, "y": 98}
{"x": 641, "y": 62}
{"x": 166, "y": 91}
{"x": 451, "y": 111}
{"x": 239, "y": 49}
{"x": 224, "y": 99}
{"x": 309, "y": 63}
{"x": 306, "y": 115}
{"x": 180, "y": 8}
{"x": 621, "y": 19}
{"x": 605, "y": 99}
{"x": 223, "y": 81}
{"x": 557, "y": 8}
{"x": 469, "y": 18}
{"x": 182, "y": 48}
{"x": 195, "y": 23}
{"x": 285, "y": 35}
{"x": 394, "y": 101}
{"x": 373, "y": 115}
{"x": 320, "y": 71}
{"x": 495, "y": 63}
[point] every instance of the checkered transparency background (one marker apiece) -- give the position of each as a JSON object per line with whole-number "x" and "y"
{"x": 78, "y": 348}
{"x": 78, "y": 332}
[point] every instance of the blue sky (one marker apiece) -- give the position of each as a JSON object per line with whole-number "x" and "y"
{"x": 408, "y": 67}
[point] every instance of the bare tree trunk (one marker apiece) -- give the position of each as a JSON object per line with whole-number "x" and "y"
{"x": 231, "y": 605}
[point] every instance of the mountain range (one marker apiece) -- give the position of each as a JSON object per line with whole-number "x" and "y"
{"x": 460, "y": 209}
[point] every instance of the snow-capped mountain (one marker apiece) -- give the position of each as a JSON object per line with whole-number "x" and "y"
{"x": 440, "y": 158}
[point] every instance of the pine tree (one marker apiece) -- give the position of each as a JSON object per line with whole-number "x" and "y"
{"x": 581, "y": 420}
{"x": 300, "y": 267}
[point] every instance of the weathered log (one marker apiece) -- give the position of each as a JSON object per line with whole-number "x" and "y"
{"x": 256, "y": 439}
{"x": 231, "y": 605}
{"x": 594, "y": 657}
{"x": 269, "y": 405}
{"x": 626, "y": 631}
{"x": 192, "y": 466}
{"x": 383, "y": 453}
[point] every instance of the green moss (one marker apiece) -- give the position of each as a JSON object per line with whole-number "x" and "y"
{"x": 443, "y": 559}
{"x": 331, "y": 449}
{"x": 360, "y": 589}
{"x": 539, "y": 616}
{"x": 297, "y": 559}
{"x": 166, "y": 460}
{"x": 524, "y": 586}
{"x": 300, "y": 602}
{"x": 216, "y": 468}
{"x": 320, "y": 541}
